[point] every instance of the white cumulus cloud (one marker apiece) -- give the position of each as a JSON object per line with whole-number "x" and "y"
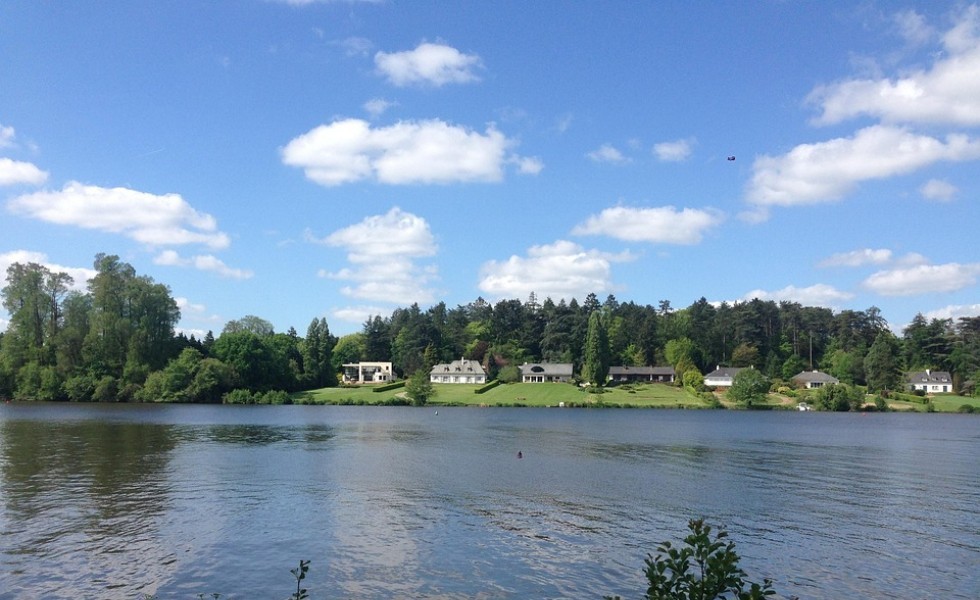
{"x": 858, "y": 258}
{"x": 377, "y": 106}
{"x": 923, "y": 279}
{"x": 953, "y": 311}
{"x": 825, "y": 171}
{"x": 202, "y": 262}
{"x": 14, "y": 172}
{"x": 607, "y": 153}
{"x": 383, "y": 251}
{"x": 151, "y": 219}
{"x": 947, "y": 92}
{"x": 663, "y": 225}
{"x": 938, "y": 190}
{"x": 7, "y": 136}
{"x": 819, "y": 294}
{"x": 408, "y": 152}
{"x": 560, "y": 270}
{"x": 79, "y": 275}
{"x": 358, "y": 314}
{"x": 676, "y": 151}
{"x": 428, "y": 64}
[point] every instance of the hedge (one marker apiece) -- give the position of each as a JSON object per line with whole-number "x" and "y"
{"x": 389, "y": 386}
{"x": 487, "y": 387}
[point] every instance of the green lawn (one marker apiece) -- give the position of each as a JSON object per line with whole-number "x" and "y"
{"x": 952, "y": 402}
{"x": 517, "y": 394}
{"x": 551, "y": 394}
{"x": 652, "y": 395}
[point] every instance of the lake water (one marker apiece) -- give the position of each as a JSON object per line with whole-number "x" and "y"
{"x": 117, "y": 501}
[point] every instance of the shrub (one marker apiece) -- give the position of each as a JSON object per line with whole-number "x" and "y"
{"x": 881, "y": 404}
{"x": 106, "y": 390}
{"x": 702, "y": 569}
{"x": 509, "y": 374}
{"x": 693, "y": 379}
{"x": 486, "y": 388}
{"x": 80, "y": 388}
{"x": 275, "y": 397}
{"x": 389, "y": 386}
{"x": 239, "y": 396}
{"x": 966, "y": 408}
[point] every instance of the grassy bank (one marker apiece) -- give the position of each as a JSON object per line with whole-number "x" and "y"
{"x": 653, "y": 395}
{"x": 519, "y": 394}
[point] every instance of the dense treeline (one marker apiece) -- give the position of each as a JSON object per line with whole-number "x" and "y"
{"x": 117, "y": 341}
{"x": 779, "y": 339}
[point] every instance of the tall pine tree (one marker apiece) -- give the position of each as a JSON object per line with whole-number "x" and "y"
{"x": 595, "y": 367}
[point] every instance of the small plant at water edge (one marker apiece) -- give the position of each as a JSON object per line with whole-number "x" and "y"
{"x": 702, "y": 569}
{"x": 300, "y": 574}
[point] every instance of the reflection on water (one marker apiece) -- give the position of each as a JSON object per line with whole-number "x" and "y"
{"x": 400, "y": 502}
{"x": 87, "y": 496}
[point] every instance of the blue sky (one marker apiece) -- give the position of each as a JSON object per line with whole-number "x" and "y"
{"x": 303, "y": 159}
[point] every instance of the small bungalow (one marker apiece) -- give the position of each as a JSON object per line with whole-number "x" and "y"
{"x": 721, "y": 377}
{"x": 458, "y": 371}
{"x": 930, "y": 382}
{"x": 546, "y": 372}
{"x": 813, "y": 379}
{"x": 368, "y": 372}
{"x": 640, "y": 374}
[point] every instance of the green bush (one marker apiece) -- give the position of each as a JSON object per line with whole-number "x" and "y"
{"x": 966, "y": 408}
{"x": 389, "y": 386}
{"x": 238, "y": 396}
{"x": 702, "y": 569}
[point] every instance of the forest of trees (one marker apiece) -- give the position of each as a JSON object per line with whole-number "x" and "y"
{"x": 117, "y": 341}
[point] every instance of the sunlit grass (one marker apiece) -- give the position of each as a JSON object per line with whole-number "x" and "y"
{"x": 517, "y": 394}
{"x": 952, "y": 402}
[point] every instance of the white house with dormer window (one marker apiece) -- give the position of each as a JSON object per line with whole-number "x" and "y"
{"x": 931, "y": 382}
{"x": 458, "y": 371}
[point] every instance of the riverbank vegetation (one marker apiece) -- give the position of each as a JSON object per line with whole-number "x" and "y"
{"x": 117, "y": 342}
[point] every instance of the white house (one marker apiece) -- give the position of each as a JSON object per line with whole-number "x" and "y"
{"x": 814, "y": 379}
{"x": 721, "y": 377}
{"x": 931, "y": 382}
{"x": 368, "y": 372}
{"x": 546, "y": 372}
{"x": 458, "y": 371}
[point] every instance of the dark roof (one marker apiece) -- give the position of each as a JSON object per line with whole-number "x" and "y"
{"x": 724, "y": 372}
{"x": 553, "y": 369}
{"x": 470, "y": 367}
{"x": 621, "y": 370}
{"x": 814, "y": 377}
{"x": 929, "y": 376}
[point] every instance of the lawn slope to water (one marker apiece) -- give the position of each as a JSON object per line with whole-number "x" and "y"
{"x": 517, "y": 394}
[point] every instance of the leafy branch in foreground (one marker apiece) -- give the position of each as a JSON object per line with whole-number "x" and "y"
{"x": 300, "y": 574}
{"x": 702, "y": 569}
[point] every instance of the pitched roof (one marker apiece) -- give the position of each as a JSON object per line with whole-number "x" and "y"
{"x": 553, "y": 369}
{"x": 814, "y": 377}
{"x": 621, "y": 370}
{"x": 929, "y": 376}
{"x": 722, "y": 372}
{"x": 464, "y": 366}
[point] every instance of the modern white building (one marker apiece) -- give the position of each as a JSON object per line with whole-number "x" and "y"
{"x": 368, "y": 372}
